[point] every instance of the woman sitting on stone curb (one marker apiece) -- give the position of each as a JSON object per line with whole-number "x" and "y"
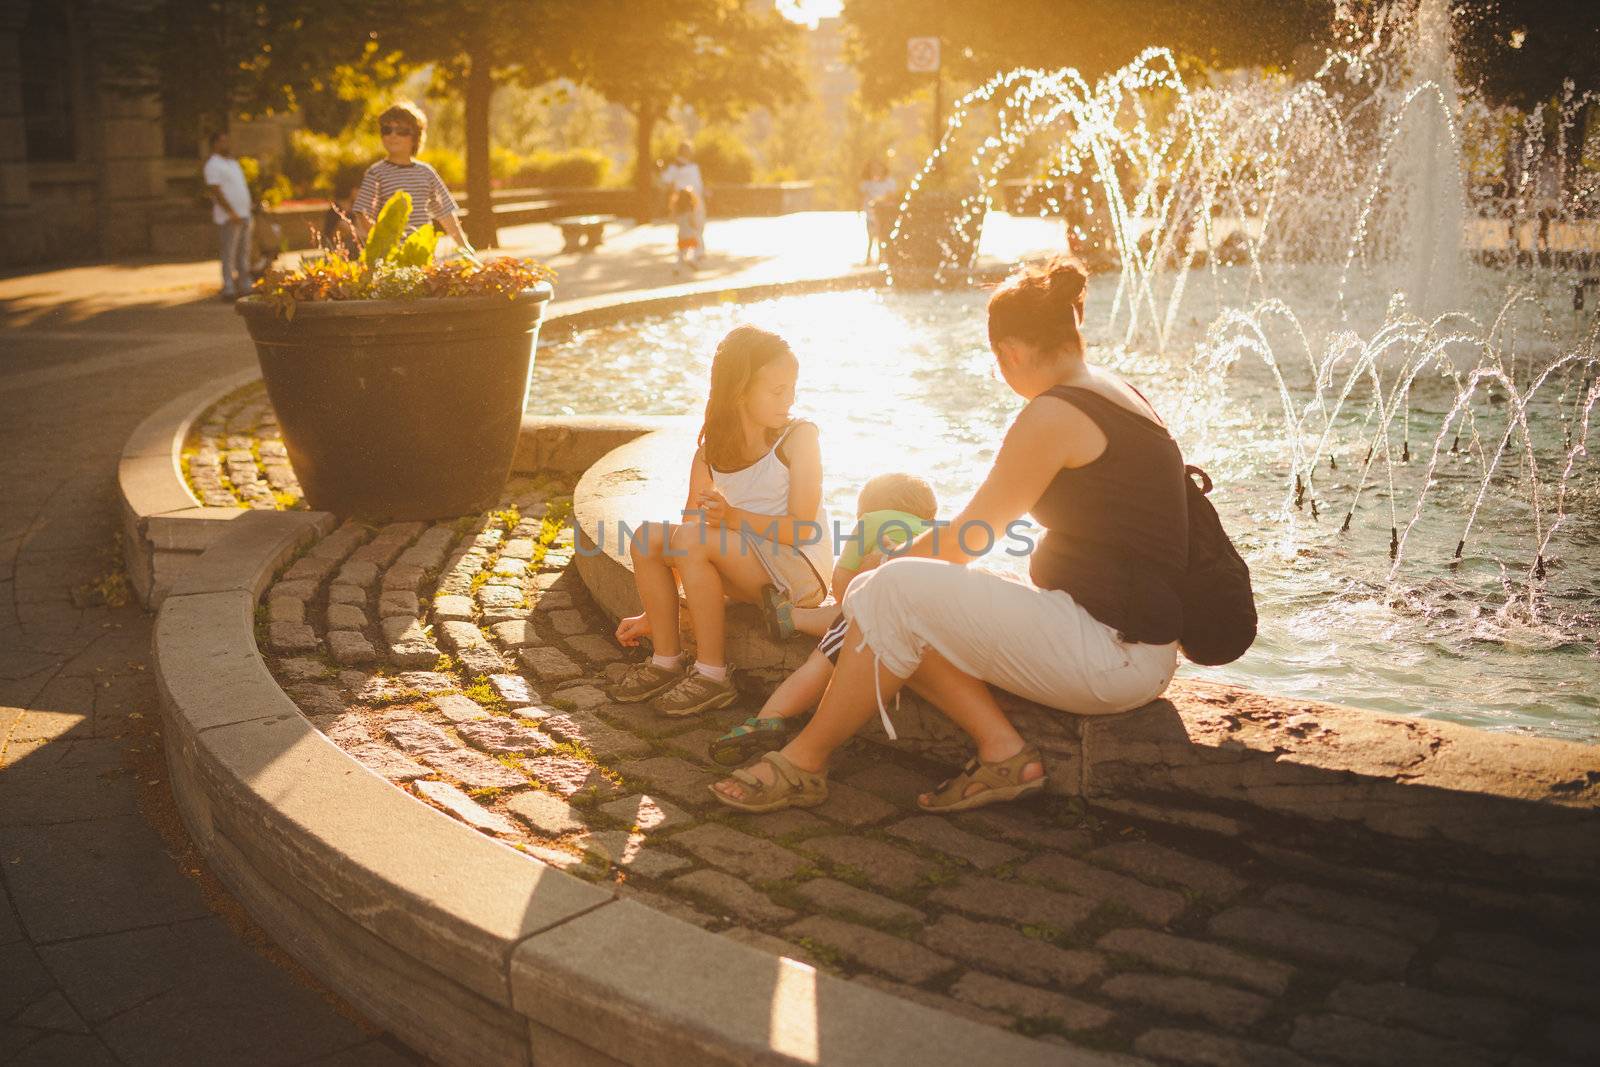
{"x": 754, "y": 517}
{"x": 1095, "y": 633}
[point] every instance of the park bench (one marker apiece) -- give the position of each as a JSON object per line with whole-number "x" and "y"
{"x": 582, "y": 233}
{"x": 519, "y": 212}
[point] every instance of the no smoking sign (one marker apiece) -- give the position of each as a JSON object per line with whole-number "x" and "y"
{"x": 922, "y": 55}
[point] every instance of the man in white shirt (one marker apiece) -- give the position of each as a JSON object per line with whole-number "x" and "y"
{"x": 684, "y": 173}
{"x": 230, "y": 210}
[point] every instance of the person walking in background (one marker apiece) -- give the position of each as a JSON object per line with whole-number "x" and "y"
{"x": 684, "y": 208}
{"x": 878, "y": 203}
{"x": 403, "y": 127}
{"x": 683, "y": 172}
{"x": 230, "y": 210}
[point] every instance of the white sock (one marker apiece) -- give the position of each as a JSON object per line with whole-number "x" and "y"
{"x": 666, "y": 663}
{"x": 716, "y": 674}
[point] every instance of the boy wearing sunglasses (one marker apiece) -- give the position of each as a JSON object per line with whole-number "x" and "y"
{"x": 402, "y": 127}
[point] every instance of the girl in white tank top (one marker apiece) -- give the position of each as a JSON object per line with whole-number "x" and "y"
{"x": 753, "y": 518}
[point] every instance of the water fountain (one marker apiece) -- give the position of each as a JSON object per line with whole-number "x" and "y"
{"x": 1364, "y": 342}
{"x": 1361, "y": 162}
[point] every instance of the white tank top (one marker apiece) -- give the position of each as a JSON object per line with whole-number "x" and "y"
{"x": 763, "y": 488}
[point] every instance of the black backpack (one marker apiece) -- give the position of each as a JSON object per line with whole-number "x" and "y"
{"x": 1219, "y": 608}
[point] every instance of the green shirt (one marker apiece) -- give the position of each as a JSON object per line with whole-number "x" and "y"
{"x": 901, "y": 528}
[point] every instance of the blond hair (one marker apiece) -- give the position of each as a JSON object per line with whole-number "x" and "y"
{"x": 406, "y": 111}
{"x": 898, "y": 492}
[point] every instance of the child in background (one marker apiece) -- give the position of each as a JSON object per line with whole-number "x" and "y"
{"x": 753, "y": 518}
{"x": 684, "y": 208}
{"x": 892, "y": 509}
{"x": 403, "y": 128}
{"x": 878, "y": 206}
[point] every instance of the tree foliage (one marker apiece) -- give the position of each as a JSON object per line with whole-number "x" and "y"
{"x": 1053, "y": 33}
{"x": 1522, "y": 52}
{"x": 212, "y": 60}
{"x": 720, "y": 57}
{"x": 475, "y": 46}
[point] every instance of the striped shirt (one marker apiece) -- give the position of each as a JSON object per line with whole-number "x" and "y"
{"x": 429, "y": 198}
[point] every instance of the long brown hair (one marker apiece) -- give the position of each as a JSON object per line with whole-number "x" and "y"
{"x": 739, "y": 357}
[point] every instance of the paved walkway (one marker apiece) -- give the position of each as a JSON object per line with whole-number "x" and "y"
{"x": 115, "y": 945}
{"x": 483, "y": 694}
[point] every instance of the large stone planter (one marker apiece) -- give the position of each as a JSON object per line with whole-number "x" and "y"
{"x": 935, "y": 242}
{"x": 399, "y": 409}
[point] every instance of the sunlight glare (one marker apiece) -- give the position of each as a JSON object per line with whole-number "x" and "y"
{"x": 793, "y": 1027}
{"x": 810, "y": 12}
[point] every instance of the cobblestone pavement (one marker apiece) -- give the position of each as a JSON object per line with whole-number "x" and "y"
{"x": 464, "y": 662}
{"x": 235, "y": 456}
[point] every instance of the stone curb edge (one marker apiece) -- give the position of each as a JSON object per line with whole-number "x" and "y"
{"x": 463, "y": 947}
{"x": 163, "y": 525}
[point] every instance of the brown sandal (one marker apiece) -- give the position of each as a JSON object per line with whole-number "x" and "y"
{"x": 791, "y": 787}
{"x": 1001, "y": 781}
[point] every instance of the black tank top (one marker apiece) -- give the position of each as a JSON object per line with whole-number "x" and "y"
{"x": 1117, "y": 530}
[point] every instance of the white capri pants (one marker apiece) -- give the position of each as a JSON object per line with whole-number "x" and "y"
{"x": 1037, "y": 643}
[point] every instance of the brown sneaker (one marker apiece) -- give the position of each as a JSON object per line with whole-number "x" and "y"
{"x": 694, "y": 694}
{"x": 645, "y": 680}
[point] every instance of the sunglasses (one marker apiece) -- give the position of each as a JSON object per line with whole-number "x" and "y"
{"x": 389, "y": 128}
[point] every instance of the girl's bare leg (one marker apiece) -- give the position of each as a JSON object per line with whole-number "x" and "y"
{"x": 658, "y": 589}
{"x": 850, "y": 701}
{"x": 970, "y": 704}
{"x": 714, "y": 565}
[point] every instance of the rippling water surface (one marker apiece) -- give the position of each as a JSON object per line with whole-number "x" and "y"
{"x": 902, "y": 381}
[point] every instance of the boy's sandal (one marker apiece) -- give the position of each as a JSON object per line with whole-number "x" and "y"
{"x": 778, "y": 613}
{"x": 750, "y": 738}
{"x": 1001, "y": 781}
{"x": 791, "y": 787}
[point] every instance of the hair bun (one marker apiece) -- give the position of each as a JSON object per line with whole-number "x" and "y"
{"x": 1066, "y": 276}
{"x": 1039, "y": 304}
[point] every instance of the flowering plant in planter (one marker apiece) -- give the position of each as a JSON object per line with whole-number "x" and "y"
{"x": 394, "y": 266}
{"x": 399, "y": 383}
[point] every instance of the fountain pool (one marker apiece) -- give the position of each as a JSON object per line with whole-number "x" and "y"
{"x": 1381, "y": 615}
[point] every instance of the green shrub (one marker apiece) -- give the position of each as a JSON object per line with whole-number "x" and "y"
{"x": 503, "y": 163}
{"x": 723, "y": 157}
{"x": 576, "y": 168}
{"x": 319, "y": 165}
{"x": 451, "y": 167}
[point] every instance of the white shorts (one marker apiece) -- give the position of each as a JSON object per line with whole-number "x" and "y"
{"x": 1040, "y": 644}
{"x": 793, "y": 570}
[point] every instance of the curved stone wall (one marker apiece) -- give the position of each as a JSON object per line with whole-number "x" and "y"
{"x": 470, "y": 951}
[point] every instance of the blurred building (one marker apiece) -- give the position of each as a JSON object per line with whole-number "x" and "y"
{"x": 87, "y": 168}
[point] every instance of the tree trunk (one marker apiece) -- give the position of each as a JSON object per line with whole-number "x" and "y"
{"x": 480, "y": 197}
{"x": 646, "y": 115}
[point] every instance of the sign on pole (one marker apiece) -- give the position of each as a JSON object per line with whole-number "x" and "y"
{"x": 922, "y": 55}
